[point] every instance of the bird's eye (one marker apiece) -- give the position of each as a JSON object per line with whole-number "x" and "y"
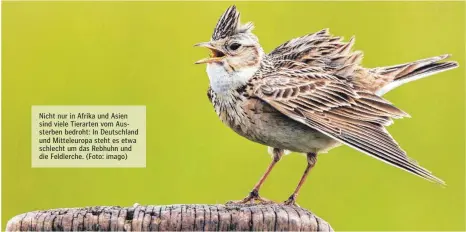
{"x": 234, "y": 46}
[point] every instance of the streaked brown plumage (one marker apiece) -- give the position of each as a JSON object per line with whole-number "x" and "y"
{"x": 308, "y": 95}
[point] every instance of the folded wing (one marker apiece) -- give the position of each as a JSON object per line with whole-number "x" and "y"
{"x": 334, "y": 107}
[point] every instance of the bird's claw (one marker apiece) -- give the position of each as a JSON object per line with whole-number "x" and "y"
{"x": 291, "y": 201}
{"x": 252, "y": 198}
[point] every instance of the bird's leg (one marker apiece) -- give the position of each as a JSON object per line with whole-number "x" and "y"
{"x": 254, "y": 194}
{"x": 311, "y": 161}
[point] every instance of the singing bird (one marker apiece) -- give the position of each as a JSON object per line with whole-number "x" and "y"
{"x": 308, "y": 95}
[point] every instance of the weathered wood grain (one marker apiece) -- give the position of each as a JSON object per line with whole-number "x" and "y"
{"x": 272, "y": 217}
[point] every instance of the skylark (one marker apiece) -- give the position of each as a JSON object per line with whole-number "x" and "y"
{"x": 308, "y": 95}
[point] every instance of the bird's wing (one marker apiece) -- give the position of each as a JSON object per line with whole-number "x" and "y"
{"x": 319, "y": 49}
{"x": 334, "y": 107}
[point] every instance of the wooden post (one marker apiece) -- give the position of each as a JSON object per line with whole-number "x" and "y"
{"x": 172, "y": 218}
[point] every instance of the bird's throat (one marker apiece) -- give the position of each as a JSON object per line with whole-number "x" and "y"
{"x": 222, "y": 80}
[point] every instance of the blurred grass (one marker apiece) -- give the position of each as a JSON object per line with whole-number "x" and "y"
{"x": 140, "y": 53}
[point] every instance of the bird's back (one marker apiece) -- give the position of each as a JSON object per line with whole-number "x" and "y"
{"x": 332, "y": 55}
{"x": 321, "y": 50}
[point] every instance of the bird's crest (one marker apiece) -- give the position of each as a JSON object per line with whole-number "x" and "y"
{"x": 229, "y": 24}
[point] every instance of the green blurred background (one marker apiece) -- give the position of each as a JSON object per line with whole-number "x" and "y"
{"x": 140, "y": 53}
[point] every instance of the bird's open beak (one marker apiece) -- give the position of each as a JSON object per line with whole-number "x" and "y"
{"x": 215, "y": 56}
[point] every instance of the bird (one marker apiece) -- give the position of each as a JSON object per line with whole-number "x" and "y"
{"x": 308, "y": 95}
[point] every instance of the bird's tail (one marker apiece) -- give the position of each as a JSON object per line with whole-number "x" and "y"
{"x": 404, "y": 73}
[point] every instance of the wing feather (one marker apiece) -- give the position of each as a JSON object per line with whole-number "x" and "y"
{"x": 339, "y": 110}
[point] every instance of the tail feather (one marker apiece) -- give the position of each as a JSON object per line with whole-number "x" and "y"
{"x": 429, "y": 69}
{"x": 404, "y": 73}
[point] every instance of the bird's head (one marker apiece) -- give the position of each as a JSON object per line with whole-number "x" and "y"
{"x": 232, "y": 44}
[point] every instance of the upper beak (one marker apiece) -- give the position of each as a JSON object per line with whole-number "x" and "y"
{"x": 216, "y": 55}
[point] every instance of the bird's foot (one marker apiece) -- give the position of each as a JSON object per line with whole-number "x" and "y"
{"x": 291, "y": 201}
{"x": 252, "y": 198}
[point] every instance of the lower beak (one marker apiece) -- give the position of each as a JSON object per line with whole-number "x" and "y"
{"x": 208, "y": 60}
{"x": 216, "y": 56}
